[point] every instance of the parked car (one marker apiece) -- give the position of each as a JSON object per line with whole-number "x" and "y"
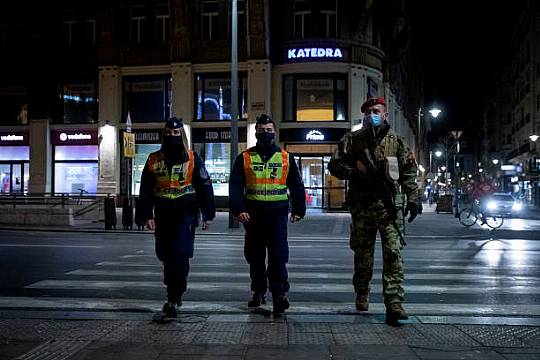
{"x": 501, "y": 204}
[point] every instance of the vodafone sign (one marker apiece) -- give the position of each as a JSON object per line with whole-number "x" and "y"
{"x": 13, "y": 138}
{"x": 74, "y": 137}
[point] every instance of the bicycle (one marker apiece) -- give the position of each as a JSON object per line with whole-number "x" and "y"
{"x": 469, "y": 216}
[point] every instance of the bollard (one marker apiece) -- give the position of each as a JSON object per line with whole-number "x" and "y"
{"x": 138, "y": 221}
{"x": 127, "y": 213}
{"x": 110, "y": 213}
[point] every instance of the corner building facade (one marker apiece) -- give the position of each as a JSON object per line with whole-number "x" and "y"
{"x": 308, "y": 63}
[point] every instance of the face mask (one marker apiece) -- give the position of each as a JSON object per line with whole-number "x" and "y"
{"x": 172, "y": 140}
{"x": 173, "y": 146}
{"x": 265, "y": 139}
{"x": 374, "y": 119}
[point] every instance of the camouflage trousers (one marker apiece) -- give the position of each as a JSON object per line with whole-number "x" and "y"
{"x": 366, "y": 221}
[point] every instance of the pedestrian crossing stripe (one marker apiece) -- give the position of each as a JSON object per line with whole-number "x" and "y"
{"x": 479, "y": 278}
{"x": 295, "y": 288}
{"x": 107, "y": 304}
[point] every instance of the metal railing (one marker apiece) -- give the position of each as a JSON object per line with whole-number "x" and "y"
{"x": 52, "y": 199}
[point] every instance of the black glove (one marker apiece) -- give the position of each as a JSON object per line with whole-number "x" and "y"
{"x": 413, "y": 209}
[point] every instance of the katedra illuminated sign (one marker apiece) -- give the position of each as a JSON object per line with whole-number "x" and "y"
{"x": 308, "y": 53}
{"x": 315, "y": 135}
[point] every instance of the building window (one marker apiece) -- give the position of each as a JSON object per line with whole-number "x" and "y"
{"x": 328, "y": 18}
{"x": 213, "y": 96}
{"x": 3, "y": 35}
{"x": 528, "y": 118}
{"x": 90, "y": 31}
{"x": 315, "y": 97}
{"x": 137, "y": 24}
{"x": 80, "y": 103}
{"x": 69, "y": 31}
{"x": 147, "y": 98}
{"x": 241, "y": 19}
{"x": 209, "y": 20}
{"x": 13, "y": 105}
{"x": 302, "y": 19}
{"x": 162, "y": 23}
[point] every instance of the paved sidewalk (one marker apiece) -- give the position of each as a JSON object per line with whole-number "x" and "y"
{"x": 95, "y": 335}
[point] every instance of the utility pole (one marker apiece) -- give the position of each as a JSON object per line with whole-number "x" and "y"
{"x": 233, "y": 223}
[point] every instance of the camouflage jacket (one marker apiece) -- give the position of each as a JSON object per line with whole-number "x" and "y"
{"x": 347, "y": 162}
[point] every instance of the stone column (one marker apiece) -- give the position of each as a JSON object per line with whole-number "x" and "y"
{"x": 110, "y": 112}
{"x": 183, "y": 95}
{"x": 259, "y": 94}
{"x": 40, "y": 180}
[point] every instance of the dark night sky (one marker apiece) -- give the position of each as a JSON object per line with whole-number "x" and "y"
{"x": 461, "y": 43}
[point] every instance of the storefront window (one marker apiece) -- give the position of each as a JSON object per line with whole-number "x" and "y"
{"x": 141, "y": 155}
{"x": 80, "y": 103}
{"x": 9, "y": 153}
{"x": 213, "y": 96}
{"x": 315, "y": 97}
{"x": 147, "y": 98}
{"x": 76, "y": 168}
{"x": 73, "y": 177}
{"x": 216, "y": 158}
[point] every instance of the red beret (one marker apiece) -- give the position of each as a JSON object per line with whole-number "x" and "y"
{"x": 372, "y": 101}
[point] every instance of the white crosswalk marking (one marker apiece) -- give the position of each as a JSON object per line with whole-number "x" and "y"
{"x": 318, "y": 266}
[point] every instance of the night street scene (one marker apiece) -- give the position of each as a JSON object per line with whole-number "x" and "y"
{"x": 269, "y": 179}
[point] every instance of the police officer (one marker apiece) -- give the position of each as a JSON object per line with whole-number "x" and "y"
{"x": 378, "y": 164}
{"x": 174, "y": 186}
{"x": 261, "y": 177}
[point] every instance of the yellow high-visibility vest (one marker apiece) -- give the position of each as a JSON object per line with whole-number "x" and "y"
{"x": 176, "y": 184}
{"x": 266, "y": 181}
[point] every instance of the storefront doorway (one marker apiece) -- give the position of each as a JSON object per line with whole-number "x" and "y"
{"x": 14, "y": 177}
{"x": 323, "y": 191}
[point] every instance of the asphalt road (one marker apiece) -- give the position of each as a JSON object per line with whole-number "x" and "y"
{"x": 450, "y": 270}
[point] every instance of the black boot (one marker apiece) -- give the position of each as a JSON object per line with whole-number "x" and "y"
{"x": 167, "y": 314}
{"x": 257, "y": 299}
{"x": 281, "y": 303}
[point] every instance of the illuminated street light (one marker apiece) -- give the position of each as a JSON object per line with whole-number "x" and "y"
{"x": 533, "y": 137}
{"x": 495, "y": 161}
{"x": 434, "y": 112}
{"x": 438, "y": 153}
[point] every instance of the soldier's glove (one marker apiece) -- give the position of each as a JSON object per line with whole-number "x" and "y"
{"x": 413, "y": 209}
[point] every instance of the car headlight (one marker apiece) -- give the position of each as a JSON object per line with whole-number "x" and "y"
{"x": 492, "y": 205}
{"x": 517, "y": 206}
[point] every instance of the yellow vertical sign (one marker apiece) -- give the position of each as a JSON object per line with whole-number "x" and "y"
{"x": 129, "y": 145}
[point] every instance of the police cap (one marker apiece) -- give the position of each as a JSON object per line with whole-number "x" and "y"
{"x": 174, "y": 123}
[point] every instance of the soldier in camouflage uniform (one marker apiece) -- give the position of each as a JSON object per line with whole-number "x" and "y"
{"x": 381, "y": 171}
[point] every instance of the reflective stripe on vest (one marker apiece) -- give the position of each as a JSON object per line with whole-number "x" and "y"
{"x": 266, "y": 181}
{"x": 176, "y": 184}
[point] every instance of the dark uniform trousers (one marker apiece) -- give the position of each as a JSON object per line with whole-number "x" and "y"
{"x": 267, "y": 230}
{"x": 175, "y": 235}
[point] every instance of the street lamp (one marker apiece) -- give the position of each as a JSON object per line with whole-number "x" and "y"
{"x": 438, "y": 153}
{"x": 495, "y": 161}
{"x": 434, "y": 113}
{"x": 533, "y": 137}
